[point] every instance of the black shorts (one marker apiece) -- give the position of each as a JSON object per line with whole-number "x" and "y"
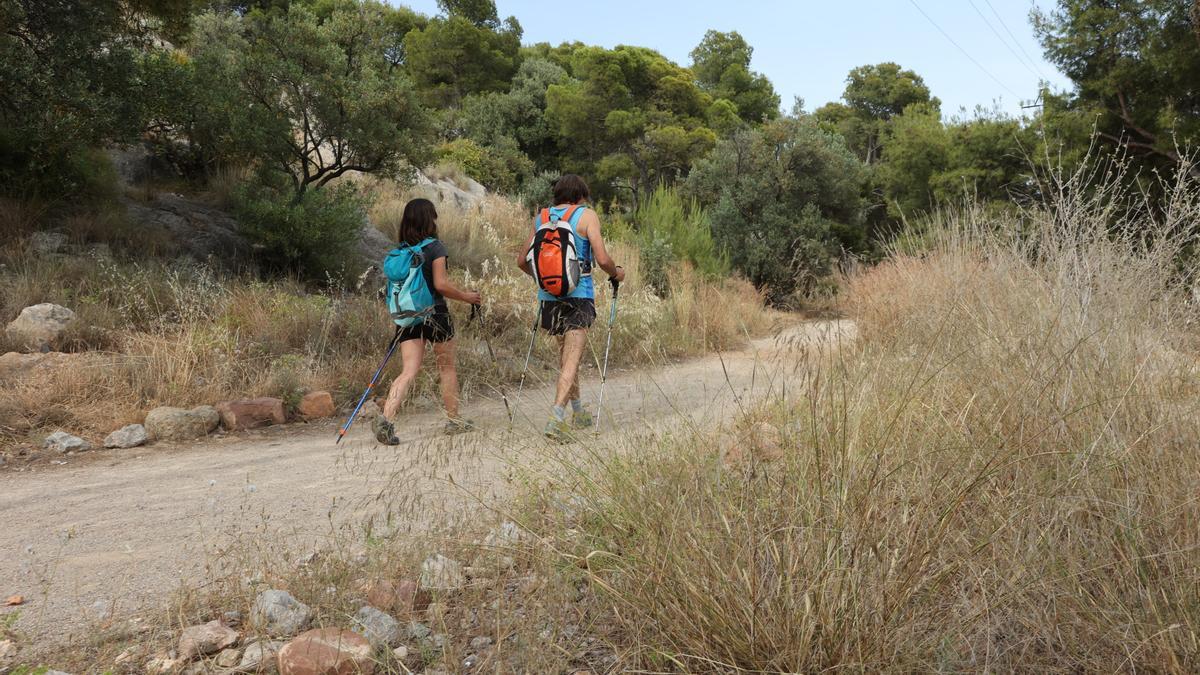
{"x": 437, "y": 327}
{"x": 560, "y": 316}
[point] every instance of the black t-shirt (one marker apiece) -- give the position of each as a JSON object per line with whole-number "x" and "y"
{"x": 434, "y": 250}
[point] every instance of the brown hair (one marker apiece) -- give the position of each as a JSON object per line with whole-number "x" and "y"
{"x": 419, "y": 222}
{"x": 570, "y": 189}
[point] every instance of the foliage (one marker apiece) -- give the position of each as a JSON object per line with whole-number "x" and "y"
{"x": 779, "y": 199}
{"x": 67, "y": 83}
{"x": 721, "y": 64}
{"x": 500, "y": 167}
{"x": 628, "y": 118}
{"x": 874, "y": 95}
{"x": 463, "y": 53}
{"x": 311, "y": 238}
{"x": 305, "y": 99}
{"x": 664, "y": 219}
{"x": 1135, "y": 65}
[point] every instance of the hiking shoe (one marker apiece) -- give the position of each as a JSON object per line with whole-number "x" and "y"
{"x": 557, "y": 430}
{"x": 582, "y": 419}
{"x": 458, "y": 425}
{"x": 385, "y": 431}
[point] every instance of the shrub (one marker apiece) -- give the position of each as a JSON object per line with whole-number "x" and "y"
{"x": 311, "y": 237}
{"x": 500, "y": 167}
{"x": 683, "y": 227}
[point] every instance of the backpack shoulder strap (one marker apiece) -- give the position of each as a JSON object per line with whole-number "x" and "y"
{"x": 544, "y": 217}
{"x": 571, "y": 211}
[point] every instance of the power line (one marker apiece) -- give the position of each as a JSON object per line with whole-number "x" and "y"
{"x": 1002, "y": 40}
{"x": 1014, "y": 39}
{"x": 964, "y": 52}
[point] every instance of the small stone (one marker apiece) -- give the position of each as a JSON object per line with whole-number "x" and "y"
{"x": 231, "y": 618}
{"x": 38, "y": 327}
{"x": 176, "y": 424}
{"x": 229, "y": 658}
{"x": 259, "y": 656}
{"x": 205, "y": 639}
{"x": 439, "y": 573}
{"x": 400, "y": 653}
{"x": 8, "y": 649}
{"x": 470, "y": 662}
{"x": 402, "y": 597}
{"x": 162, "y": 665}
{"x": 418, "y": 631}
{"x": 436, "y": 613}
{"x": 480, "y": 643}
{"x": 380, "y": 629}
{"x": 129, "y": 436}
{"x": 326, "y": 651}
{"x": 316, "y": 405}
{"x": 62, "y": 442}
{"x": 250, "y": 413}
{"x": 198, "y": 668}
{"x": 278, "y": 613}
{"x": 370, "y": 411}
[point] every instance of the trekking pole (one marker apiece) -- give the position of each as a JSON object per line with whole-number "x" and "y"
{"x": 528, "y": 354}
{"x": 612, "y": 318}
{"x": 370, "y": 386}
{"x": 477, "y": 311}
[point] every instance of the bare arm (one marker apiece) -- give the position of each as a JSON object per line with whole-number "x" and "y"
{"x": 522, "y": 263}
{"x": 443, "y": 285}
{"x": 592, "y": 222}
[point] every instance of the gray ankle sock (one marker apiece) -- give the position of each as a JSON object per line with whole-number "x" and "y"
{"x": 576, "y": 405}
{"x": 560, "y": 413}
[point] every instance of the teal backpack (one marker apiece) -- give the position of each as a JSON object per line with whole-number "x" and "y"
{"x": 408, "y": 296}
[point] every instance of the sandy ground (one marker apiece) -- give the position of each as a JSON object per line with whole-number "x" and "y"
{"x": 113, "y": 533}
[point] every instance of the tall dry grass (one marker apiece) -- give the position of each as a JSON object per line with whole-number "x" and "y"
{"x": 163, "y": 332}
{"x": 1001, "y": 475}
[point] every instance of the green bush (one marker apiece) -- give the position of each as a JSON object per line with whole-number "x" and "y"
{"x": 500, "y": 167}
{"x": 665, "y": 219}
{"x": 311, "y": 237}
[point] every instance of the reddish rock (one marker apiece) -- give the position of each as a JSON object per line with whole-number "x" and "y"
{"x": 401, "y": 597}
{"x": 204, "y": 639}
{"x": 326, "y": 651}
{"x": 250, "y": 413}
{"x": 316, "y": 404}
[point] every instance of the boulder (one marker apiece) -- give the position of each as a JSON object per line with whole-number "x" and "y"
{"x": 61, "y": 441}
{"x": 326, "y": 651}
{"x": 205, "y": 639}
{"x": 380, "y": 629}
{"x": 278, "y": 613}
{"x": 316, "y": 404}
{"x": 259, "y": 656}
{"x": 177, "y": 424}
{"x": 38, "y": 327}
{"x": 129, "y": 436}
{"x": 48, "y": 242}
{"x": 251, "y": 413}
{"x": 439, "y": 573}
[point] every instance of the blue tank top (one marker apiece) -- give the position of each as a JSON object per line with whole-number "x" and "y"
{"x": 585, "y": 288}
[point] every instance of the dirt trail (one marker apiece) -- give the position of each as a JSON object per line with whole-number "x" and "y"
{"x": 113, "y": 533}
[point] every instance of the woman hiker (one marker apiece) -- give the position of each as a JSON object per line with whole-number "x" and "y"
{"x": 569, "y": 318}
{"x": 419, "y": 223}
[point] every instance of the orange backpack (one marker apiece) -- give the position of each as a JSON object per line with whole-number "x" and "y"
{"x": 554, "y": 254}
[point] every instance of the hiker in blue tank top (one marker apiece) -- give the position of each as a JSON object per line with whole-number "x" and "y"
{"x": 568, "y": 317}
{"x": 419, "y": 223}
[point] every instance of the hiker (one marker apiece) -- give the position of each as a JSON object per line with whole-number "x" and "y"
{"x": 560, "y": 260}
{"x": 418, "y": 232}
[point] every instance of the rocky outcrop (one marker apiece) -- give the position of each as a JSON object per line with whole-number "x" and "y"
{"x": 176, "y": 424}
{"x": 250, "y": 413}
{"x": 38, "y": 327}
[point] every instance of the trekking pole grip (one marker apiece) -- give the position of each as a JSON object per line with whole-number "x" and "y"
{"x": 615, "y": 284}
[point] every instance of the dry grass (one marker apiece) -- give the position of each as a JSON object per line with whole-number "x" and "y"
{"x": 1000, "y": 476}
{"x": 169, "y": 333}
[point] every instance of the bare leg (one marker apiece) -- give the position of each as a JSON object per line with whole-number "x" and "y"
{"x": 572, "y": 352}
{"x": 411, "y": 352}
{"x": 447, "y": 376}
{"x": 562, "y": 344}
